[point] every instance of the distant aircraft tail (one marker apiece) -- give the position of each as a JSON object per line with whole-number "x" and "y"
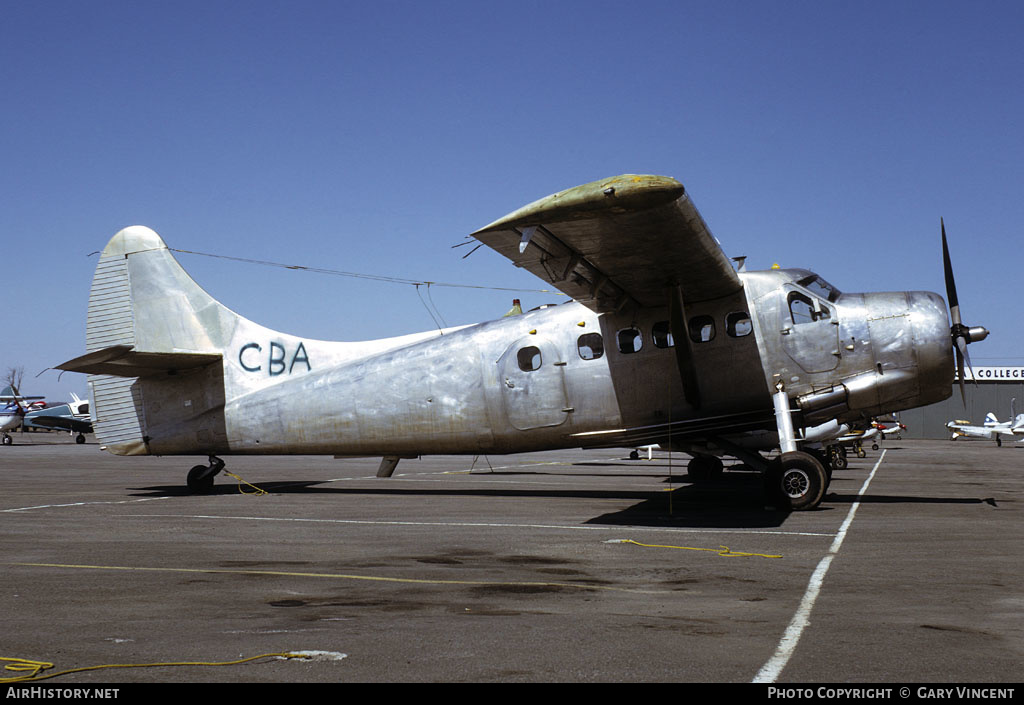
{"x": 991, "y": 420}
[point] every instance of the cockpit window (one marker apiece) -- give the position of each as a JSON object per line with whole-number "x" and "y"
{"x": 817, "y": 285}
{"x": 802, "y": 309}
{"x": 529, "y": 359}
{"x": 590, "y": 346}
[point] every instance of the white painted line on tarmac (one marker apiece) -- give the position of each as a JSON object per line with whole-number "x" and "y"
{"x": 80, "y": 504}
{"x": 771, "y": 670}
{"x": 505, "y": 525}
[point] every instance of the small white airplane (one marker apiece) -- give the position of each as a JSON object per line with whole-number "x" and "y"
{"x": 993, "y": 428}
{"x": 73, "y": 417}
{"x": 12, "y": 413}
{"x": 890, "y": 428}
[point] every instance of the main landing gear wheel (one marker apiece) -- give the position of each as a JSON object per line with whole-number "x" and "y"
{"x": 704, "y": 468}
{"x": 8, "y": 440}
{"x": 200, "y": 478}
{"x": 796, "y": 480}
{"x": 79, "y": 439}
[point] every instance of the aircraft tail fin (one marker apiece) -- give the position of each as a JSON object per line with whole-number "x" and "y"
{"x": 148, "y": 325}
{"x": 142, "y": 297}
{"x": 991, "y": 419}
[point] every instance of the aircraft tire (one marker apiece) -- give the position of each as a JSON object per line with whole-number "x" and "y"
{"x": 704, "y": 468}
{"x": 79, "y": 439}
{"x": 199, "y": 480}
{"x": 797, "y": 481}
{"x": 8, "y": 440}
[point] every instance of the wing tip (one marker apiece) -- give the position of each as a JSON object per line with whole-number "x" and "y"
{"x": 626, "y": 192}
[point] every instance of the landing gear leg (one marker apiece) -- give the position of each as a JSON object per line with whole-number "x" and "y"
{"x": 200, "y": 478}
{"x": 795, "y": 480}
{"x": 837, "y": 457}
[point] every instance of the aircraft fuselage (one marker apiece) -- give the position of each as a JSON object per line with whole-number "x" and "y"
{"x": 554, "y": 376}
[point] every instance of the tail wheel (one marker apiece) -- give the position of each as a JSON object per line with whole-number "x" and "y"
{"x": 200, "y": 479}
{"x": 797, "y": 481}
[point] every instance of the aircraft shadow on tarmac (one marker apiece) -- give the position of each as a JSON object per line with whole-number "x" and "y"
{"x": 735, "y": 500}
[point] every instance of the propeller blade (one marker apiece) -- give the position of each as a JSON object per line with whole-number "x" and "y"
{"x": 960, "y": 374}
{"x": 951, "y": 297}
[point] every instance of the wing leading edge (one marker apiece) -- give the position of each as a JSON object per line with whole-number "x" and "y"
{"x": 626, "y": 240}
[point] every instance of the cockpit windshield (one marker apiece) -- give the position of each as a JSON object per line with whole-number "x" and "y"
{"x": 819, "y": 286}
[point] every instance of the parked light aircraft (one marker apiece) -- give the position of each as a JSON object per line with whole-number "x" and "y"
{"x": 993, "y": 428}
{"x": 664, "y": 342}
{"x": 13, "y": 411}
{"x": 73, "y": 416}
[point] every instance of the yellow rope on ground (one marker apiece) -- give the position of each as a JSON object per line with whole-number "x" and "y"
{"x": 34, "y": 668}
{"x": 721, "y": 550}
{"x": 241, "y": 482}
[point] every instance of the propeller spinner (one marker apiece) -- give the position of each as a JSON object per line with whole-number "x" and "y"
{"x": 961, "y": 335}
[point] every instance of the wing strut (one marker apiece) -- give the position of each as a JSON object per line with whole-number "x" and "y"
{"x": 683, "y": 346}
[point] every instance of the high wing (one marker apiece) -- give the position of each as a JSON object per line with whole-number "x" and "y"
{"x": 626, "y": 240}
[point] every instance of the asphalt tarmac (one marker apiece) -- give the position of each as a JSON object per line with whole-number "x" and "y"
{"x": 569, "y": 566}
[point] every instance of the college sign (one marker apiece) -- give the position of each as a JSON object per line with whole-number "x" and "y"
{"x": 995, "y": 374}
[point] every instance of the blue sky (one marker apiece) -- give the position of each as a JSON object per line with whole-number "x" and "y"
{"x": 371, "y": 137}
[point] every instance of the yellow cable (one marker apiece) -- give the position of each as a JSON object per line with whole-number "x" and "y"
{"x": 721, "y": 550}
{"x": 37, "y": 667}
{"x": 241, "y": 482}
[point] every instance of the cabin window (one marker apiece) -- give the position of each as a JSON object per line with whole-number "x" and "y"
{"x": 738, "y": 324}
{"x": 662, "y": 334}
{"x": 529, "y": 359}
{"x": 590, "y": 346}
{"x": 630, "y": 340}
{"x": 702, "y": 329}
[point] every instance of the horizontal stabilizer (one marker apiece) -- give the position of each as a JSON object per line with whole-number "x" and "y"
{"x": 125, "y": 361}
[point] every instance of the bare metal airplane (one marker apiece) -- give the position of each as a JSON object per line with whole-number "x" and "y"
{"x": 665, "y": 342}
